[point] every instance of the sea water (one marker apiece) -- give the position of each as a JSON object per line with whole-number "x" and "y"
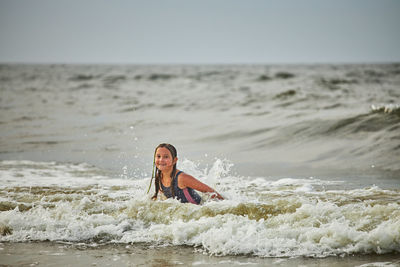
{"x": 306, "y": 156}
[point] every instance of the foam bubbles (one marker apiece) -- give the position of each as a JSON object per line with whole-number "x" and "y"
{"x": 268, "y": 218}
{"x": 386, "y": 108}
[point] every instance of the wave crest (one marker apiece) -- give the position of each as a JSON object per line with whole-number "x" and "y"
{"x": 386, "y": 108}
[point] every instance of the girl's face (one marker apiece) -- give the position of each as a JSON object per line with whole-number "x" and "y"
{"x": 164, "y": 160}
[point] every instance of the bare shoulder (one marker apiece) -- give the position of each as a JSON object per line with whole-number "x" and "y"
{"x": 189, "y": 181}
{"x": 185, "y": 179}
{"x": 184, "y": 175}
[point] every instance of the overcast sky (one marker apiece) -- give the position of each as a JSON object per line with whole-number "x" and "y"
{"x": 202, "y": 31}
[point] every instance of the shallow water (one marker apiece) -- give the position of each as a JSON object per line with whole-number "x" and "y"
{"x": 307, "y": 157}
{"x": 47, "y": 201}
{"x": 59, "y": 253}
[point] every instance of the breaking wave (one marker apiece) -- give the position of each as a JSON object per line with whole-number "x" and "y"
{"x": 262, "y": 217}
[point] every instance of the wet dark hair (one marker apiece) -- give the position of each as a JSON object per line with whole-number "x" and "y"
{"x": 158, "y": 173}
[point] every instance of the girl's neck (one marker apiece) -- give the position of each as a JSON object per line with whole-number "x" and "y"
{"x": 166, "y": 175}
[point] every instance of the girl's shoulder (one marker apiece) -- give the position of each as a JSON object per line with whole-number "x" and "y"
{"x": 183, "y": 175}
{"x": 187, "y": 180}
{"x": 182, "y": 178}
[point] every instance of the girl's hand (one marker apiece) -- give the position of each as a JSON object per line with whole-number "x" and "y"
{"x": 215, "y": 195}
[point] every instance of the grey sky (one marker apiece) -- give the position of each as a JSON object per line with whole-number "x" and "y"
{"x": 206, "y": 31}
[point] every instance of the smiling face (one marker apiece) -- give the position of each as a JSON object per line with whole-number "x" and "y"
{"x": 164, "y": 161}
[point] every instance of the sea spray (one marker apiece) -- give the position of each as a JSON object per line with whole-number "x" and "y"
{"x": 284, "y": 217}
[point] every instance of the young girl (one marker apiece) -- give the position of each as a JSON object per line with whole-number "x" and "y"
{"x": 175, "y": 183}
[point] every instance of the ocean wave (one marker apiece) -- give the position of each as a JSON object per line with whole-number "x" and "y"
{"x": 386, "y": 108}
{"x": 202, "y": 75}
{"x": 284, "y": 75}
{"x": 83, "y": 77}
{"x": 113, "y": 79}
{"x": 268, "y": 218}
{"x": 286, "y": 94}
{"x": 315, "y": 229}
{"x": 336, "y": 83}
{"x": 279, "y": 75}
{"x": 294, "y": 106}
{"x": 380, "y": 119}
{"x": 155, "y": 76}
{"x": 376, "y": 120}
{"x": 237, "y": 135}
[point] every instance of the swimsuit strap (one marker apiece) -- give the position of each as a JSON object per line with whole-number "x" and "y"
{"x": 176, "y": 178}
{"x": 176, "y": 175}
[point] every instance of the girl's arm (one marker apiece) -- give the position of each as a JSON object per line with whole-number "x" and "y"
{"x": 186, "y": 180}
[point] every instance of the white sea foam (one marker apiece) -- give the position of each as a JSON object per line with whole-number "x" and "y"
{"x": 287, "y": 218}
{"x": 386, "y": 108}
{"x": 379, "y": 264}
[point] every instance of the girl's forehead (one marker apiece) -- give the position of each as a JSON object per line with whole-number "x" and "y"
{"x": 163, "y": 150}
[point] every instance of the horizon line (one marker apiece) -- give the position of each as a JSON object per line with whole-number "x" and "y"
{"x": 199, "y": 63}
